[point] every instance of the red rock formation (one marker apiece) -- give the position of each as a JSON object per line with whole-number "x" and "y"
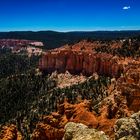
{"x": 52, "y": 126}
{"x": 10, "y": 133}
{"x": 122, "y": 101}
{"x": 82, "y": 58}
{"x": 45, "y": 131}
{"x": 79, "y": 62}
{"x": 123, "y": 95}
{"x": 129, "y": 85}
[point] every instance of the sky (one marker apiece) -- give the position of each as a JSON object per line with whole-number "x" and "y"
{"x": 69, "y": 15}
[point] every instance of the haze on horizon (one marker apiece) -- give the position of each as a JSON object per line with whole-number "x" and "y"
{"x": 69, "y": 15}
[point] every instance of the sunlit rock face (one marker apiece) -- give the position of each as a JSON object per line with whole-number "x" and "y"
{"x": 79, "y": 131}
{"x": 129, "y": 85}
{"x": 86, "y": 58}
{"x": 77, "y": 60}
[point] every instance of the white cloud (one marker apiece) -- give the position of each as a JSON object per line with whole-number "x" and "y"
{"x": 126, "y": 7}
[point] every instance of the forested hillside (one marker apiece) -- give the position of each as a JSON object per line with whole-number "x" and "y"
{"x": 54, "y": 39}
{"x": 11, "y": 64}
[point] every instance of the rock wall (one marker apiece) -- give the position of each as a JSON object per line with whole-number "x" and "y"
{"x": 77, "y": 62}
{"x": 129, "y": 85}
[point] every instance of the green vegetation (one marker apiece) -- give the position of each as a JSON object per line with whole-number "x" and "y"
{"x": 15, "y": 63}
{"x": 53, "y": 39}
{"x": 26, "y": 97}
{"x": 128, "y": 49}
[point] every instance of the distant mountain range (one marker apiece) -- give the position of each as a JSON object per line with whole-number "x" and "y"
{"x": 54, "y": 39}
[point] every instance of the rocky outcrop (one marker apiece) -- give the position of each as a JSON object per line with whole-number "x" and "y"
{"x": 129, "y": 86}
{"x": 80, "y": 58}
{"x": 66, "y": 79}
{"x": 77, "y": 62}
{"x": 86, "y": 57}
{"x": 78, "y": 131}
{"x": 79, "y": 113}
{"x": 124, "y": 93}
{"x": 128, "y": 128}
{"x": 52, "y": 126}
{"x": 45, "y": 131}
{"x": 10, "y": 132}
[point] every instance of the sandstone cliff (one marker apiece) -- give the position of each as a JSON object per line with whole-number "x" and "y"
{"x": 80, "y": 58}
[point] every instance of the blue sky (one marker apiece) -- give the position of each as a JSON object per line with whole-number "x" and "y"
{"x": 69, "y": 15}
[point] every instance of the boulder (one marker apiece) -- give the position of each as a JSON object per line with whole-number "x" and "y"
{"x": 128, "y": 128}
{"x": 79, "y": 131}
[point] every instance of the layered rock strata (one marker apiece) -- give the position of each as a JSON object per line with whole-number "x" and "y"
{"x": 77, "y": 62}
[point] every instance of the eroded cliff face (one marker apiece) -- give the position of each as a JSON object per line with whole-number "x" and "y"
{"x": 129, "y": 85}
{"x": 103, "y": 57}
{"x": 80, "y": 62}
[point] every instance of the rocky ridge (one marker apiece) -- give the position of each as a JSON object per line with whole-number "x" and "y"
{"x": 81, "y": 58}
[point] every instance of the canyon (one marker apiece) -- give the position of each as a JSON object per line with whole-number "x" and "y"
{"x": 94, "y": 89}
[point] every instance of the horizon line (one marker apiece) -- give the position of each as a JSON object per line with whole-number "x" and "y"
{"x": 117, "y": 30}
